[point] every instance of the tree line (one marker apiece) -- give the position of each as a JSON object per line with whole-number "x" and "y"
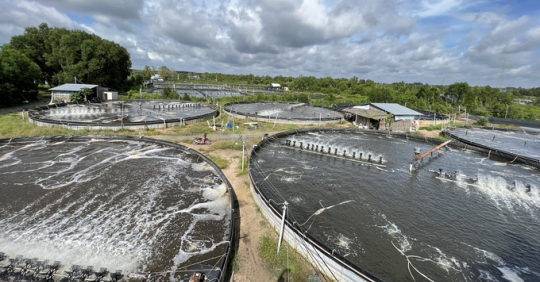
{"x": 53, "y": 56}
{"x": 446, "y": 99}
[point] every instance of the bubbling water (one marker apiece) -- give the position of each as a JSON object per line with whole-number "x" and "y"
{"x": 481, "y": 223}
{"x": 120, "y": 205}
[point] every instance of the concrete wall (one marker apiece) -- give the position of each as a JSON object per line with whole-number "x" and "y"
{"x": 62, "y": 95}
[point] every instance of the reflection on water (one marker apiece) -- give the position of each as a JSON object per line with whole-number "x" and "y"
{"x": 380, "y": 218}
{"x": 114, "y": 204}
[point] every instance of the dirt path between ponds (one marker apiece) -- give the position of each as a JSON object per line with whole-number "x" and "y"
{"x": 251, "y": 267}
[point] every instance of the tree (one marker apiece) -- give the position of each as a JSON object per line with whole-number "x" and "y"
{"x": 169, "y": 93}
{"x": 482, "y": 121}
{"x": 331, "y": 98}
{"x": 85, "y": 92}
{"x": 64, "y": 54}
{"x": 303, "y": 98}
{"x": 164, "y": 72}
{"x": 147, "y": 72}
{"x": 19, "y": 77}
{"x": 34, "y": 45}
{"x": 186, "y": 97}
{"x": 458, "y": 92}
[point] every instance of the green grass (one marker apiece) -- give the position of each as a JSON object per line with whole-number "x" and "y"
{"x": 286, "y": 260}
{"x": 431, "y": 127}
{"x": 12, "y": 125}
{"x": 236, "y": 263}
{"x": 239, "y": 171}
{"x": 219, "y": 161}
{"x": 227, "y": 145}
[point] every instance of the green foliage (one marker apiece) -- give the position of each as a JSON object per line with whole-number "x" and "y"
{"x": 482, "y": 121}
{"x": 75, "y": 97}
{"x": 484, "y": 101}
{"x": 186, "y": 97}
{"x": 19, "y": 77}
{"x": 227, "y": 145}
{"x": 303, "y": 98}
{"x": 431, "y": 127}
{"x": 219, "y": 161}
{"x": 62, "y": 54}
{"x": 85, "y": 92}
{"x": 286, "y": 260}
{"x": 239, "y": 171}
{"x": 331, "y": 98}
{"x": 169, "y": 93}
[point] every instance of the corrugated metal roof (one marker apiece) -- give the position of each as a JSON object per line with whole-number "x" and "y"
{"x": 73, "y": 87}
{"x": 396, "y": 109}
{"x": 370, "y": 113}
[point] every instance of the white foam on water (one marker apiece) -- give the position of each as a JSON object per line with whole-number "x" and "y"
{"x": 296, "y": 200}
{"x": 510, "y": 195}
{"x": 393, "y": 231}
{"x": 213, "y": 193}
{"x": 204, "y": 166}
{"x": 113, "y": 226}
{"x": 289, "y": 179}
{"x": 72, "y": 253}
{"x": 271, "y": 112}
{"x": 510, "y": 274}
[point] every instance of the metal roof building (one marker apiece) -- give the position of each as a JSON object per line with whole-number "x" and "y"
{"x": 375, "y": 116}
{"x": 71, "y": 87}
{"x": 396, "y": 109}
{"x": 63, "y": 92}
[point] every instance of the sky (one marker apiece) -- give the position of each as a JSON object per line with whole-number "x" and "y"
{"x": 481, "y": 42}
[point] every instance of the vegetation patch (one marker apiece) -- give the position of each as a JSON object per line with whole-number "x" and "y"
{"x": 239, "y": 171}
{"x": 431, "y": 127}
{"x": 287, "y": 263}
{"x": 219, "y": 161}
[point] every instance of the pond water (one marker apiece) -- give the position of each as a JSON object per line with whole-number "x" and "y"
{"x": 482, "y": 224}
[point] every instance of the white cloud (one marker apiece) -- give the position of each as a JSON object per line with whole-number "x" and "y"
{"x": 387, "y": 40}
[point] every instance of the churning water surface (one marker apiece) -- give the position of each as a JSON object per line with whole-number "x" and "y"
{"x": 125, "y": 111}
{"x": 283, "y": 110}
{"x": 117, "y": 204}
{"x": 514, "y": 142}
{"x": 383, "y": 218}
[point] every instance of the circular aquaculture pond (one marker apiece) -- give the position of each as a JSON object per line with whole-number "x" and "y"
{"x": 283, "y": 112}
{"x": 116, "y": 203}
{"x": 123, "y": 113}
{"x": 458, "y": 216}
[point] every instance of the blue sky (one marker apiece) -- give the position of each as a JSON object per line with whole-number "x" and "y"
{"x": 428, "y": 41}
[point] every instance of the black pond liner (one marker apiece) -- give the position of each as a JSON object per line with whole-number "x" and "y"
{"x": 221, "y": 271}
{"x": 34, "y": 114}
{"x": 292, "y": 223}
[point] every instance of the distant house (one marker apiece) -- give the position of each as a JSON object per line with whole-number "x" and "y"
{"x": 274, "y": 86}
{"x": 523, "y": 101}
{"x": 375, "y": 115}
{"x": 156, "y": 77}
{"x": 64, "y": 91}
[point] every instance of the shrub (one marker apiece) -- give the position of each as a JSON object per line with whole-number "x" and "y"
{"x": 482, "y": 121}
